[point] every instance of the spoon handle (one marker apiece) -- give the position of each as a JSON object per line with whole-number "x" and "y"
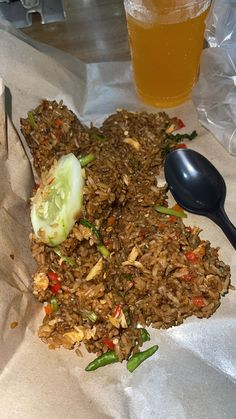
{"x": 221, "y": 219}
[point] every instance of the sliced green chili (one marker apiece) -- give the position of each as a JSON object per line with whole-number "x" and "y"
{"x": 144, "y": 335}
{"x": 103, "y": 250}
{"x": 109, "y": 357}
{"x": 169, "y": 211}
{"x": 85, "y": 160}
{"x": 66, "y": 259}
{"x": 140, "y": 357}
{"x": 31, "y": 119}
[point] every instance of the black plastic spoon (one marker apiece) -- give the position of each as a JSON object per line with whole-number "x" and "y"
{"x": 198, "y": 187}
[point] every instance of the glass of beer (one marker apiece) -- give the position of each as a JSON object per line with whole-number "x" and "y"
{"x": 166, "y": 39}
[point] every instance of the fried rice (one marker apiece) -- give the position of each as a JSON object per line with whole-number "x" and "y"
{"x": 159, "y": 271}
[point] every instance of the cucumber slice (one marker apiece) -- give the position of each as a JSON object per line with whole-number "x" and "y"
{"x": 58, "y": 201}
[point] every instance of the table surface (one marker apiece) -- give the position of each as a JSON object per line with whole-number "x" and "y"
{"x": 94, "y": 30}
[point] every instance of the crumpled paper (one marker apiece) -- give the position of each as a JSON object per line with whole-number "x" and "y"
{"x": 193, "y": 374}
{"x": 215, "y": 93}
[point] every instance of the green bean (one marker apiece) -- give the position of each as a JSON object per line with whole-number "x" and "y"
{"x": 169, "y": 211}
{"x": 138, "y": 358}
{"x": 144, "y": 335}
{"x": 109, "y": 357}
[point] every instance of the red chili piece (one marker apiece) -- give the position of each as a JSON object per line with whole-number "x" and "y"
{"x": 48, "y": 309}
{"x": 117, "y": 311}
{"x": 172, "y": 219}
{"x": 58, "y": 122}
{"x": 53, "y": 276}
{"x": 108, "y": 343}
{"x": 198, "y": 302}
{"x": 181, "y": 145}
{"x": 56, "y": 287}
{"x": 191, "y": 256}
{"x": 179, "y": 123}
{"x": 187, "y": 278}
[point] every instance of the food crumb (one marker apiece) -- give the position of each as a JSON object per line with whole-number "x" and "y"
{"x": 13, "y": 325}
{"x": 78, "y": 352}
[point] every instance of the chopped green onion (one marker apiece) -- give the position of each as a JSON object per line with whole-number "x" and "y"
{"x": 90, "y": 315}
{"x": 87, "y": 223}
{"x": 66, "y": 259}
{"x": 103, "y": 250}
{"x": 101, "y": 247}
{"x": 169, "y": 211}
{"x": 54, "y": 304}
{"x": 31, "y": 119}
{"x": 85, "y": 160}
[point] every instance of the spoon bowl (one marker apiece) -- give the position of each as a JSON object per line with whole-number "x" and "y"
{"x": 198, "y": 187}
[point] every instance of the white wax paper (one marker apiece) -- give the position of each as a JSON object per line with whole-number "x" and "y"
{"x": 193, "y": 374}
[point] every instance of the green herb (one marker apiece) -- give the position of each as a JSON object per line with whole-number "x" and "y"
{"x": 109, "y": 357}
{"x": 140, "y": 357}
{"x": 85, "y": 160}
{"x": 66, "y": 259}
{"x": 179, "y": 137}
{"x": 172, "y": 139}
{"x": 169, "y": 211}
